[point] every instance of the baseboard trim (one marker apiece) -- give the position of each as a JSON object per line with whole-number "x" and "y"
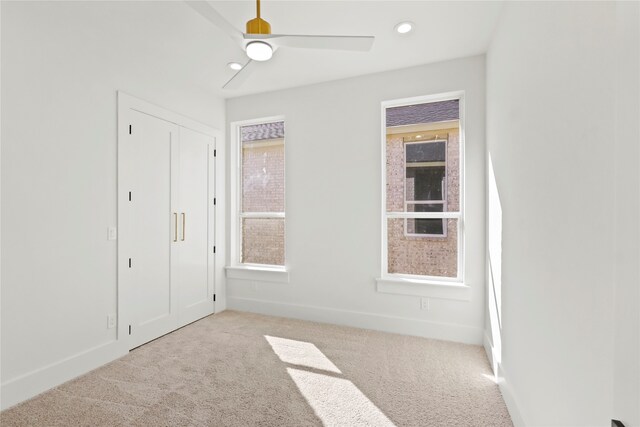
{"x": 504, "y": 383}
{"x": 488, "y": 349}
{"x": 32, "y": 383}
{"x": 510, "y": 398}
{"x": 384, "y": 323}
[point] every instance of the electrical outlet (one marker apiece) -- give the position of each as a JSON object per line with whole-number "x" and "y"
{"x": 424, "y": 303}
{"x": 111, "y": 321}
{"x": 112, "y": 233}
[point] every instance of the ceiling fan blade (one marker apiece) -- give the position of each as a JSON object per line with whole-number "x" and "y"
{"x": 210, "y": 14}
{"x": 240, "y": 77}
{"x": 353, "y": 43}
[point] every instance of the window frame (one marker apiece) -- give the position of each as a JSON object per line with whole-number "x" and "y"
{"x": 444, "y": 200}
{"x": 237, "y": 269}
{"x": 409, "y": 284}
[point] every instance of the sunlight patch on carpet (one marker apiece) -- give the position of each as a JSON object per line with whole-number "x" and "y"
{"x": 301, "y": 353}
{"x": 337, "y": 401}
{"x": 491, "y": 378}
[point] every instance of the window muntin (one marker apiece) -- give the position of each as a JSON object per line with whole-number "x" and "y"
{"x": 422, "y": 225}
{"x": 261, "y": 216}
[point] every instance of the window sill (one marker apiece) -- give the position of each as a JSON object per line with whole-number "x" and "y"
{"x": 424, "y": 288}
{"x": 258, "y": 273}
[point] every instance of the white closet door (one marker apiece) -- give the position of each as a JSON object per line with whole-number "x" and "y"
{"x": 195, "y": 291}
{"x": 154, "y": 309}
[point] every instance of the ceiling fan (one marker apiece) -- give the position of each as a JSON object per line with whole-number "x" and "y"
{"x": 260, "y": 45}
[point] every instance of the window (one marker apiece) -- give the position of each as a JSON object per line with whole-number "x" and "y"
{"x": 425, "y": 186}
{"x": 261, "y": 194}
{"x": 422, "y": 219}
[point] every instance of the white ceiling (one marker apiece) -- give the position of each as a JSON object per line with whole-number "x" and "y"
{"x": 443, "y": 30}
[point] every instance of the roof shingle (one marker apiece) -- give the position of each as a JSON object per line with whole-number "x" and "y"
{"x": 423, "y": 113}
{"x": 262, "y": 131}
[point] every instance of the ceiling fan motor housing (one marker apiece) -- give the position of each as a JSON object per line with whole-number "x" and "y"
{"x": 258, "y": 26}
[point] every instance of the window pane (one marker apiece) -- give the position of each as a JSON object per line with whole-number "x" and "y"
{"x": 263, "y": 241}
{"x": 426, "y": 152}
{"x": 430, "y": 227}
{"x": 425, "y": 183}
{"x": 263, "y": 167}
{"x": 424, "y": 256}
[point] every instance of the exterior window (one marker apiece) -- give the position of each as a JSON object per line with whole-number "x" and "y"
{"x": 261, "y": 213}
{"x": 425, "y": 186}
{"x": 422, "y": 222}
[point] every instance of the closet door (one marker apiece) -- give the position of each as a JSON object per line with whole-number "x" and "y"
{"x": 195, "y": 290}
{"x": 152, "y": 242}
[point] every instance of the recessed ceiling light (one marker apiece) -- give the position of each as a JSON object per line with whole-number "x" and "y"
{"x": 259, "y": 51}
{"x": 404, "y": 27}
{"x": 235, "y": 66}
{"x": 418, "y": 136}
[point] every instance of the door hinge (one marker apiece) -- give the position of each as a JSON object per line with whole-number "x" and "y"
{"x": 129, "y": 129}
{"x": 214, "y": 153}
{"x": 214, "y": 201}
{"x": 129, "y": 329}
{"x": 214, "y": 249}
{"x": 129, "y": 262}
{"x": 214, "y": 297}
{"x": 129, "y": 195}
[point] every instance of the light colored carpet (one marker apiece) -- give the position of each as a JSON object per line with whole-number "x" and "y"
{"x": 241, "y": 369}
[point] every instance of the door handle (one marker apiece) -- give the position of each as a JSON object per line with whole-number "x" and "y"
{"x": 184, "y": 223}
{"x": 175, "y": 229}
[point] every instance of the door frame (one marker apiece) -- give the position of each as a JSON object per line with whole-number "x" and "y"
{"x": 127, "y": 103}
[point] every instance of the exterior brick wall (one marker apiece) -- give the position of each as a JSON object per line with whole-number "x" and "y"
{"x": 263, "y": 241}
{"x": 429, "y": 256}
{"x": 263, "y": 191}
{"x": 263, "y": 176}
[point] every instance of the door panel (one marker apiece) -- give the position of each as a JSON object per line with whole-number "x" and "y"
{"x": 154, "y": 299}
{"x": 195, "y": 292}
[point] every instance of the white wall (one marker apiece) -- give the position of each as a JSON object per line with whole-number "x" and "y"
{"x": 61, "y": 66}
{"x": 626, "y": 362}
{"x": 562, "y": 136}
{"x": 333, "y": 178}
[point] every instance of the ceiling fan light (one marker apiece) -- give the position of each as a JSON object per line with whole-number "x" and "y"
{"x": 259, "y": 51}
